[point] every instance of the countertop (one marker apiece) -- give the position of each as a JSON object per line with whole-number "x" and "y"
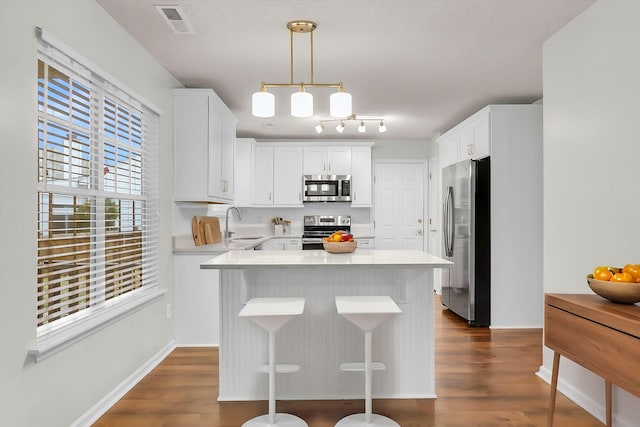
{"x": 239, "y": 259}
{"x": 184, "y": 243}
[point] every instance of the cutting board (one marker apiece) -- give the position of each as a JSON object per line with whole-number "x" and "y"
{"x": 210, "y": 226}
{"x": 196, "y": 231}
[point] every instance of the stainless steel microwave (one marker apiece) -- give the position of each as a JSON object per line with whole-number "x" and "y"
{"x": 326, "y": 188}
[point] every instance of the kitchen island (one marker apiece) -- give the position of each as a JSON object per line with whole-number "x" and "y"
{"x": 320, "y": 340}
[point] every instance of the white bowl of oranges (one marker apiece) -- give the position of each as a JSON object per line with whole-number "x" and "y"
{"x": 621, "y": 285}
{"x": 339, "y": 242}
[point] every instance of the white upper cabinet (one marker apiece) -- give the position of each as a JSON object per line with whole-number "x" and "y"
{"x": 470, "y": 139}
{"x": 204, "y": 147}
{"x": 327, "y": 160}
{"x": 287, "y": 175}
{"x": 262, "y": 189}
{"x": 242, "y": 172}
{"x": 448, "y": 149}
{"x": 361, "y": 176}
{"x": 474, "y": 137}
{"x": 277, "y": 175}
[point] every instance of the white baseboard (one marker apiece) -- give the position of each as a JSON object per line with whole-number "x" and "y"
{"x": 597, "y": 409}
{"x": 121, "y": 389}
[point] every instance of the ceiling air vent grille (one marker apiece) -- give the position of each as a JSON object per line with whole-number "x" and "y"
{"x": 175, "y": 17}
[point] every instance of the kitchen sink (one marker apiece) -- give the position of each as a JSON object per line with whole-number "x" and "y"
{"x": 247, "y": 238}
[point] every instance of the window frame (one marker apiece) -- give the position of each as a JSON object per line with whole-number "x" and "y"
{"x": 59, "y": 333}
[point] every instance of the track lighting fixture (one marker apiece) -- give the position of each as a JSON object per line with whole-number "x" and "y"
{"x": 361, "y": 127}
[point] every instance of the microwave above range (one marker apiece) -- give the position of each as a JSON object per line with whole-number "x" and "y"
{"x": 326, "y": 188}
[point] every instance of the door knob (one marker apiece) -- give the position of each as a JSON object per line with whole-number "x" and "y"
{"x": 419, "y": 232}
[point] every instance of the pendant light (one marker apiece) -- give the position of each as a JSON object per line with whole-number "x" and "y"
{"x": 263, "y": 102}
{"x": 301, "y": 103}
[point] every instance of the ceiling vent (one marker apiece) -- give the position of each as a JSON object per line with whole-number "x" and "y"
{"x": 175, "y": 17}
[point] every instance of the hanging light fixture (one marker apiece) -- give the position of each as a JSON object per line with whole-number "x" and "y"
{"x": 301, "y": 103}
{"x": 263, "y": 102}
{"x": 352, "y": 117}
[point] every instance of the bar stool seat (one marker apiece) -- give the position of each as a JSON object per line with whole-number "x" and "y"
{"x": 367, "y": 313}
{"x": 271, "y": 314}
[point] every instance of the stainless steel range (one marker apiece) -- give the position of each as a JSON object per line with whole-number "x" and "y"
{"x": 318, "y": 226}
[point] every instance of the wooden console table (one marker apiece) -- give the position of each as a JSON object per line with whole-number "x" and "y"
{"x": 601, "y": 336}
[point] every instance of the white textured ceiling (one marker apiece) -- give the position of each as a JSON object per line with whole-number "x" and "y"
{"x": 423, "y": 65}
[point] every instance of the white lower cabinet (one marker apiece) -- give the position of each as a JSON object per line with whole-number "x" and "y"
{"x": 366, "y": 243}
{"x": 195, "y": 307}
{"x": 293, "y": 244}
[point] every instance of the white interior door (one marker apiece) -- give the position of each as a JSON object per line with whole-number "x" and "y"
{"x": 399, "y": 205}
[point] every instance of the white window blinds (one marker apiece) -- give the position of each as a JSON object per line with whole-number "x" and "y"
{"x": 97, "y": 195}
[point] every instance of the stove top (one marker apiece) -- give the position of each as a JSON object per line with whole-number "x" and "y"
{"x": 323, "y": 225}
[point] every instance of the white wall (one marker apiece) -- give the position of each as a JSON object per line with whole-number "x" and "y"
{"x": 58, "y": 390}
{"x": 591, "y": 152}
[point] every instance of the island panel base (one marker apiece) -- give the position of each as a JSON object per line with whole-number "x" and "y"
{"x": 320, "y": 340}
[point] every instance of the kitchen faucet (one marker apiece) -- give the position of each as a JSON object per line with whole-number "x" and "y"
{"x": 228, "y": 233}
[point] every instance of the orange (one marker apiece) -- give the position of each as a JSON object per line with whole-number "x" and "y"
{"x": 622, "y": 277}
{"x": 602, "y": 273}
{"x": 337, "y": 238}
{"x": 633, "y": 270}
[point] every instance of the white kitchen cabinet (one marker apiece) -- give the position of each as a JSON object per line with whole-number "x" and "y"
{"x": 327, "y": 160}
{"x": 293, "y": 243}
{"x": 287, "y": 175}
{"x": 277, "y": 175}
{"x": 361, "y": 194}
{"x": 195, "y": 306}
{"x": 512, "y": 136}
{"x": 204, "y": 147}
{"x": 262, "y": 178}
{"x": 474, "y": 141}
{"x": 366, "y": 243}
{"x": 448, "y": 149}
{"x": 242, "y": 172}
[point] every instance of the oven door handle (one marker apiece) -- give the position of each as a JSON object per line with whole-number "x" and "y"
{"x": 311, "y": 240}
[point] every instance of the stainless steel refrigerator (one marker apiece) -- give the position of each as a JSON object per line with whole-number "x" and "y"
{"x": 466, "y": 286}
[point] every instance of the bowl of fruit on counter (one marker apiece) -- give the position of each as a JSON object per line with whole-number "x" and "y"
{"x": 339, "y": 242}
{"x": 621, "y": 285}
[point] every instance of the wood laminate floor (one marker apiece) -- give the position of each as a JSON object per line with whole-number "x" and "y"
{"x": 484, "y": 378}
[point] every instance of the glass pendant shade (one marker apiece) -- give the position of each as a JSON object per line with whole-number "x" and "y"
{"x": 263, "y": 104}
{"x": 301, "y": 104}
{"x": 340, "y": 127}
{"x": 340, "y": 104}
{"x": 362, "y": 127}
{"x": 382, "y": 128}
{"x": 319, "y": 128}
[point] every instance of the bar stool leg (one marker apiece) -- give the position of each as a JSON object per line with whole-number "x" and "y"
{"x": 272, "y": 377}
{"x": 368, "y": 404}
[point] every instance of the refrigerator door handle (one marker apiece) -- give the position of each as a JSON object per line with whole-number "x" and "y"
{"x": 448, "y": 229}
{"x": 445, "y": 225}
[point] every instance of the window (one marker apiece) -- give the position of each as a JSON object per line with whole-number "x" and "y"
{"x": 97, "y": 194}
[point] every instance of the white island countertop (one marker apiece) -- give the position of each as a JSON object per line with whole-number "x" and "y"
{"x": 318, "y": 258}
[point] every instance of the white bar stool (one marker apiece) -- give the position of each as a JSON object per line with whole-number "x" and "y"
{"x": 366, "y": 312}
{"x": 271, "y": 314}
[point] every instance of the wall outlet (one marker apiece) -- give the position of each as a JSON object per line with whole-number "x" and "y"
{"x": 168, "y": 311}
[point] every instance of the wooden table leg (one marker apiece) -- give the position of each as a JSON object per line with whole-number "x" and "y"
{"x": 554, "y": 388}
{"x": 608, "y": 392}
